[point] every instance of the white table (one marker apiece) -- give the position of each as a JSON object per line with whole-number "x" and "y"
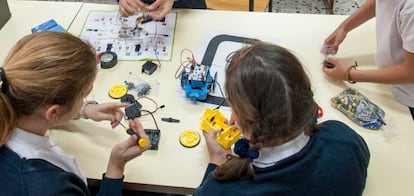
{"x": 176, "y": 169}
{"x": 29, "y": 14}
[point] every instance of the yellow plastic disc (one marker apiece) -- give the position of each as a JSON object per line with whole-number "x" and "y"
{"x": 117, "y": 91}
{"x": 142, "y": 142}
{"x": 189, "y": 138}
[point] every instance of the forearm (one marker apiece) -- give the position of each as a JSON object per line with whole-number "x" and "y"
{"x": 360, "y": 16}
{"x": 395, "y": 74}
{"x": 115, "y": 170}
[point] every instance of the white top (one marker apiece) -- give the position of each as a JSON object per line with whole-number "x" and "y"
{"x": 271, "y": 155}
{"x": 395, "y": 35}
{"x": 31, "y": 146}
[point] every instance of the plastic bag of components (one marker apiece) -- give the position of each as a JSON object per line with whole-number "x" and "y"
{"x": 359, "y": 109}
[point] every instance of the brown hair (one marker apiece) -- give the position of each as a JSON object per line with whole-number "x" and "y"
{"x": 270, "y": 92}
{"x": 42, "y": 69}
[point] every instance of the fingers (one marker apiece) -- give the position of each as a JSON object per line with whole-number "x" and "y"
{"x": 114, "y": 105}
{"x": 210, "y": 137}
{"x": 158, "y": 15}
{"x": 116, "y": 119}
{"x": 154, "y": 6}
{"x": 330, "y": 60}
{"x": 107, "y": 111}
{"x": 137, "y": 127}
{"x": 128, "y": 7}
{"x": 160, "y": 8}
{"x": 210, "y": 134}
{"x": 232, "y": 120}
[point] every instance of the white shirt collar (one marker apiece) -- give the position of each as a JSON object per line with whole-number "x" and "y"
{"x": 269, "y": 156}
{"x": 31, "y": 146}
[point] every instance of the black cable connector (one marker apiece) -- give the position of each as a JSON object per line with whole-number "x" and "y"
{"x": 170, "y": 120}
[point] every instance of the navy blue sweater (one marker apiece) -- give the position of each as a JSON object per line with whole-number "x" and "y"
{"x": 333, "y": 162}
{"x": 39, "y": 177}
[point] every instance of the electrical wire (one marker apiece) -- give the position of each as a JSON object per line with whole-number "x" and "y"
{"x": 190, "y": 61}
{"x": 222, "y": 94}
{"x": 156, "y": 44}
{"x": 152, "y": 115}
{"x": 155, "y": 103}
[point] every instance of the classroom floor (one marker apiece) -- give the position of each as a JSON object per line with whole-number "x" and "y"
{"x": 341, "y": 7}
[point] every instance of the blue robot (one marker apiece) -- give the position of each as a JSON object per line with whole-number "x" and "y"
{"x": 196, "y": 79}
{"x": 197, "y": 82}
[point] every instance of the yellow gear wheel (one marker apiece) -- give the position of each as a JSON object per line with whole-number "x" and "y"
{"x": 189, "y": 138}
{"x": 117, "y": 91}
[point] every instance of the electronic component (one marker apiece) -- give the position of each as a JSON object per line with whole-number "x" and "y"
{"x": 328, "y": 64}
{"x": 133, "y": 110}
{"x": 154, "y": 136}
{"x": 108, "y": 59}
{"x": 137, "y": 47}
{"x": 149, "y": 67}
{"x": 197, "y": 81}
{"x": 142, "y": 89}
{"x": 214, "y": 119}
{"x": 189, "y": 138}
{"x": 359, "y": 109}
{"x": 146, "y": 19}
{"x": 170, "y": 120}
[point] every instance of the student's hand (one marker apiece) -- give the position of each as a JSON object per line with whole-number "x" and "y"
{"x": 339, "y": 72}
{"x": 232, "y": 122}
{"x": 332, "y": 42}
{"x": 160, "y": 8}
{"x": 105, "y": 111}
{"x": 216, "y": 152}
{"x": 125, "y": 151}
{"x": 130, "y": 7}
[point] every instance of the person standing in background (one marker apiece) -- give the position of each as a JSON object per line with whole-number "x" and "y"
{"x": 157, "y": 9}
{"x": 395, "y": 48}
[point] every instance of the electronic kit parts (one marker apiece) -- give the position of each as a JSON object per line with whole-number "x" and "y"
{"x": 108, "y": 59}
{"x": 189, "y": 138}
{"x": 117, "y": 91}
{"x": 213, "y": 120}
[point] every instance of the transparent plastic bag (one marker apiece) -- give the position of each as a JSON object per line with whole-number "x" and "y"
{"x": 359, "y": 109}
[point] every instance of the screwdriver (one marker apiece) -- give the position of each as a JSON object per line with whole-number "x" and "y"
{"x": 142, "y": 142}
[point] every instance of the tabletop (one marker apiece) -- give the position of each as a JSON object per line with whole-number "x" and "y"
{"x": 29, "y": 14}
{"x": 176, "y": 169}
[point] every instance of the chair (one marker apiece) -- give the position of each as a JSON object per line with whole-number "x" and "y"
{"x": 329, "y": 4}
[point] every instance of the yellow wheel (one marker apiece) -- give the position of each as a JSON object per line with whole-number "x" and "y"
{"x": 117, "y": 91}
{"x": 189, "y": 138}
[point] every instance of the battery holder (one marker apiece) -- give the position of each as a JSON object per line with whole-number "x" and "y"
{"x": 149, "y": 67}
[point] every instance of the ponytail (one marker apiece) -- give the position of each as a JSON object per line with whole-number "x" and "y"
{"x": 7, "y": 118}
{"x": 234, "y": 168}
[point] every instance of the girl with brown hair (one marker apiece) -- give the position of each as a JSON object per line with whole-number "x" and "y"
{"x": 283, "y": 150}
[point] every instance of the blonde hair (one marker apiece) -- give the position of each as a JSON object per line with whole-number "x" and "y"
{"x": 42, "y": 69}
